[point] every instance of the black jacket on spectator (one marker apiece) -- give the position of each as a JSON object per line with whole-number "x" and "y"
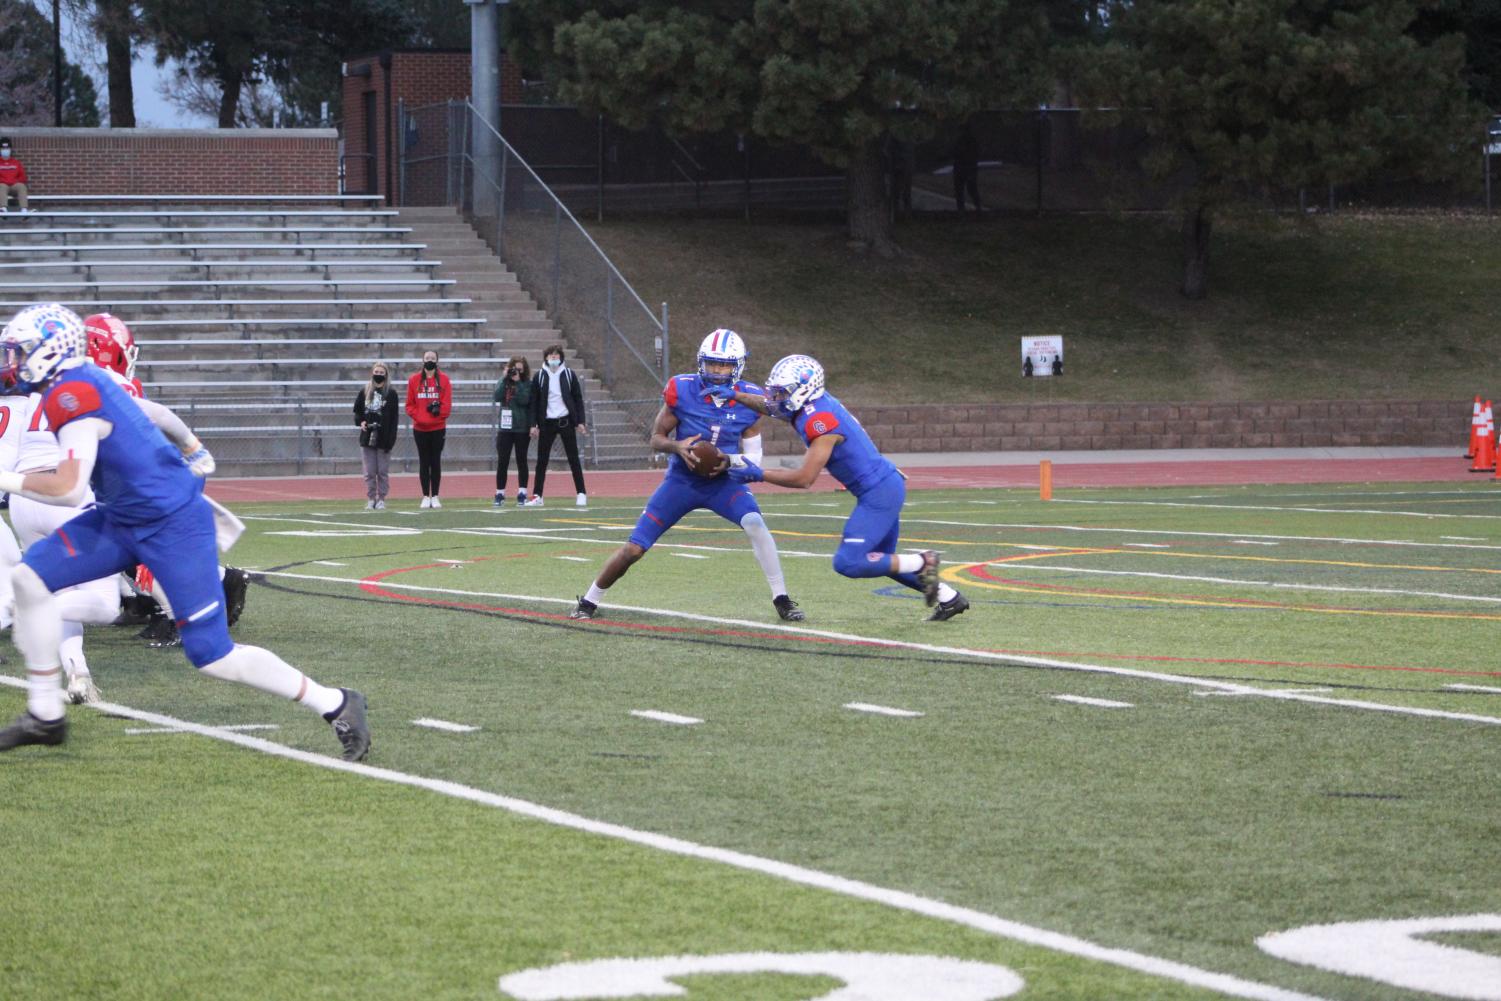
{"x": 573, "y": 396}
{"x": 387, "y": 418}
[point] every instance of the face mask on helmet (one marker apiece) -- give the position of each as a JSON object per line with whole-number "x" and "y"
{"x": 726, "y": 347}
{"x": 39, "y": 342}
{"x": 794, "y": 382}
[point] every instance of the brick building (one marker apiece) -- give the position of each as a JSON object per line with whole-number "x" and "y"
{"x": 377, "y": 83}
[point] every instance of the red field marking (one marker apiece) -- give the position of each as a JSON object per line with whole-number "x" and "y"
{"x": 639, "y": 483}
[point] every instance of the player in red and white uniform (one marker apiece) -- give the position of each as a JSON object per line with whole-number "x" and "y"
{"x": 113, "y": 348}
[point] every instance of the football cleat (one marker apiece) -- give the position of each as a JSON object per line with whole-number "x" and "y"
{"x": 351, "y": 727}
{"x": 27, "y": 729}
{"x": 585, "y": 609}
{"x": 236, "y": 585}
{"x": 927, "y": 577}
{"x": 946, "y": 610}
{"x": 81, "y": 690}
{"x": 787, "y": 609}
{"x": 164, "y": 635}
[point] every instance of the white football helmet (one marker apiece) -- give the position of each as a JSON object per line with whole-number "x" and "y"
{"x": 794, "y": 382}
{"x": 722, "y": 346}
{"x": 39, "y": 342}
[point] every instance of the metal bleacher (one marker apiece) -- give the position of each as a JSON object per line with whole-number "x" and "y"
{"x": 258, "y": 317}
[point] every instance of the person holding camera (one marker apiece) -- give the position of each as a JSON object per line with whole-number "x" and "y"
{"x": 429, "y": 402}
{"x": 557, "y": 410}
{"x": 375, "y": 413}
{"x": 514, "y": 394}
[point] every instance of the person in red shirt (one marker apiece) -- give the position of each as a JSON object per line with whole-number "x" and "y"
{"x": 12, "y": 179}
{"x": 429, "y": 402}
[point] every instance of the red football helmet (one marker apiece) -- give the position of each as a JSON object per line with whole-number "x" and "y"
{"x": 111, "y": 344}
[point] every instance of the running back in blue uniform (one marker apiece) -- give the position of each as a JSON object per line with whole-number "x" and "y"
{"x": 700, "y": 407}
{"x": 837, "y": 442}
{"x": 151, "y": 509}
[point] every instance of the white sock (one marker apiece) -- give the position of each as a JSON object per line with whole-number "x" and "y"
{"x": 10, "y": 555}
{"x": 260, "y": 668}
{"x": 70, "y": 651}
{"x": 221, "y": 572}
{"x": 595, "y": 594}
{"x": 37, "y": 634}
{"x": 908, "y": 563}
{"x": 945, "y": 593}
{"x": 161, "y": 597}
{"x": 765, "y": 549}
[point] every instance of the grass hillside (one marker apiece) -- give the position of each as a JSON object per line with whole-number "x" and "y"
{"x": 1333, "y": 307}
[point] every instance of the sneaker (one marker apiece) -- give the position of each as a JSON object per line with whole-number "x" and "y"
{"x": 236, "y": 584}
{"x": 427, "y": 501}
{"x": 81, "y": 689}
{"x": 927, "y": 577}
{"x": 521, "y": 496}
{"x": 380, "y": 505}
{"x": 27, "y": 729}
{"x": 787, "y": 609}
{"x": 948, "y": 609}
{"x": 436, "y": 502}
{"x": 500, "y": 499}
{"x": 585, "y": 609}
{"x": 350, "y": 726}
{"x": 370, "y": 505}
{"x": 582, "y": 501}
{"x": 532, "y": 502}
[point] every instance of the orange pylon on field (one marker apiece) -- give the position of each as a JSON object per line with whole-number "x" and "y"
{"x": 1475, "y": 421}
{"x": 1485, "y": 445}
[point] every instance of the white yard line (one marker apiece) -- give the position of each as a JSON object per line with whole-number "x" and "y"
{"x": 1276, "y": 507}
{"x": 661, "y": 717}
{"x": 866, "y": 707}
{"x": 689, "y": 556}
{"x": 952, "y": 651}
{"x": 443, "y": 724}
{"x": 898, "y": 899}
{"x": 1275, "y": 585}
{"x": 1085, "y": 700}
{"x": 1474, "y": 688}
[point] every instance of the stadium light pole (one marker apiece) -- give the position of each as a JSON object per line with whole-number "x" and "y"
{"x": 484, "y": 87}
{"x": 57, "y": 63}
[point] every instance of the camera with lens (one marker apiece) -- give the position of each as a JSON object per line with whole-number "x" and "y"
{"x": 434, "y": 407}
{"x": 372, "y": 424}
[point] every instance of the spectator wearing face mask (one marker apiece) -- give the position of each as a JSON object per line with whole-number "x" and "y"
{"x": 429, "y": 402}
{"x": 514, "y": 394}
{"x": 557, "y": 412}
{"x": 12, "y": 179}
{"x": 375, "y": 413}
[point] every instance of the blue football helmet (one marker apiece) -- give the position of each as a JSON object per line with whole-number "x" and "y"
{"x": 794, "y": 382}
{"x": 39, "y": 342}
{"x": 724, "y": 346}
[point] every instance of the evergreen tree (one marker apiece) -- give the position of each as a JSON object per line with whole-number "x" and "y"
{"x": 835, "y": 75}
{"x": 1247, "y": 97}
{"x": 26, "y": 51}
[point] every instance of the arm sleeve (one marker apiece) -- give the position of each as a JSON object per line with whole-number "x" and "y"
{"x": 170, "y": 425}
{"x": 752, "y": 448}
{"x": 578, "y": 397}
{"x": 359, "y": 407}
{"x": 412, "y": 397}
{"x": 445, "y": 397}
{"x": 537, "y": 397}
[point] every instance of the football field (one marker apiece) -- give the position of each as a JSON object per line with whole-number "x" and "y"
{"x": 1239, "y": 741}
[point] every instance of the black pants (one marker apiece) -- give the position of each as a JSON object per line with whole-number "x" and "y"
{"x": 429, "y": 460}
{"x": 558, "y": 427}
{"x": 505, "y": 441}
{"x": 968, "y": 180}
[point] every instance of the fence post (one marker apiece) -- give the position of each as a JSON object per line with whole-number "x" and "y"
{"x": 500, "y": 206}
{"x": 401, "y": 151}
{"x": 609, "y": 328}
{"x": 301, "y": 437}
{"x": 662, "y": 347}
{"x": 463, "y": 154}
{"x": 557, "y": 258}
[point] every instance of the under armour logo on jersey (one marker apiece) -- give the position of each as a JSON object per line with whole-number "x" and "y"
{"x": 67, "y": 401}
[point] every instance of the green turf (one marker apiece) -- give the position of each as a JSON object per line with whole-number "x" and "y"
{"x": 1182, "y": 827}
{"x": 1341, "y": 307}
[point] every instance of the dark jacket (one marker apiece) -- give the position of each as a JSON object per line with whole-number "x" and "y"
{"x": 520, "y": 405}
{"x": 387, "y": 417}
{"x": 573, "y": 395}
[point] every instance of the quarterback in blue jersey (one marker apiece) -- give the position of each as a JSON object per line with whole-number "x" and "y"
{"x": 701, "y": 407}
{"x": 836, "y": 441}
{"x": 151, "y": 509}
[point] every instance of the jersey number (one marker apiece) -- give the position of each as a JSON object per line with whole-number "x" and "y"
{"x": 714, "y": 430}
{"x": 36, "y": 420}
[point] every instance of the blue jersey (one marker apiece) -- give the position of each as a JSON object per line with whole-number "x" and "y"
{"x": 855, "y": 461}
{"x": 698, "y": 413}
{"x": 139, "y": 476}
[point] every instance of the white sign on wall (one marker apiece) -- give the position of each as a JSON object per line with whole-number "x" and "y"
{"x": 1042, "y": 356}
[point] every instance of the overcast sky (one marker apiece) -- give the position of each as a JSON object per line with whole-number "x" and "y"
{"x": 152, "y": 109}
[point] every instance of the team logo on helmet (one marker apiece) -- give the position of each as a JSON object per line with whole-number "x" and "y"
{"x": 794, "y": 382}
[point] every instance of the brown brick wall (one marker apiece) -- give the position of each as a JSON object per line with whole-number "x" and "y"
{"x": 1025, "y": 427}
{"x": 178, "y": 161}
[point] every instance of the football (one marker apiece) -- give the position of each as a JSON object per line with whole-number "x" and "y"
{"x": 708, "y": 457}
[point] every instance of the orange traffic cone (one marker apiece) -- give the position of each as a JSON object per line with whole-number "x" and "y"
{"x": 1475, "y": 421}
{"x": 1485, "y": 445}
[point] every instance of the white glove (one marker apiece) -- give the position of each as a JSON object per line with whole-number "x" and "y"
{"x": 200, "y": 462}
